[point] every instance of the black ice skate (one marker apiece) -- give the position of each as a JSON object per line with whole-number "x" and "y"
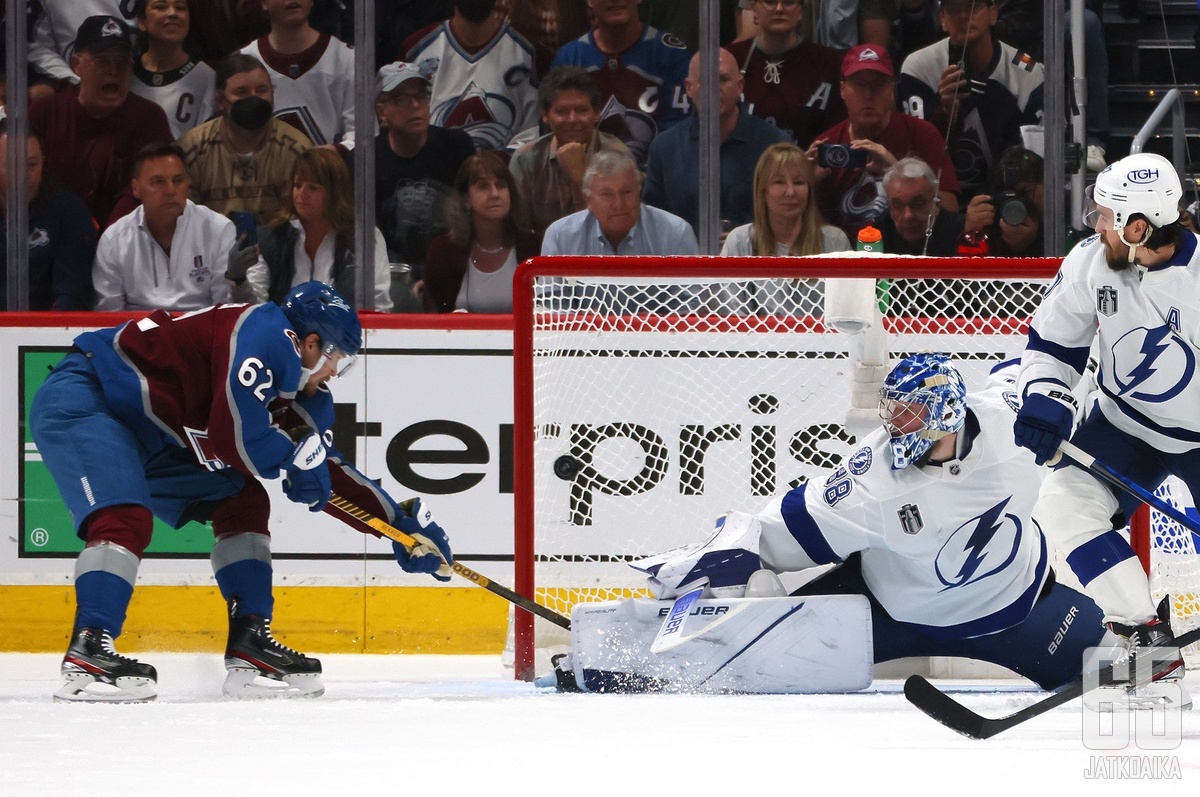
{"x": 1152, "y": 650}
{"x": 95, "y": 672}
{"x": 260, "y": 667}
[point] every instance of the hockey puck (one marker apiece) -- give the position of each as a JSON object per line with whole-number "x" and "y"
{"x": 567, "y": 467}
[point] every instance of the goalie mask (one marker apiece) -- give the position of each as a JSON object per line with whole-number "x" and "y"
{"x": 922, "y": 400}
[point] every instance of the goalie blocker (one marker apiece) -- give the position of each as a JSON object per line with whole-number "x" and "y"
{"x": 768, "y": 645}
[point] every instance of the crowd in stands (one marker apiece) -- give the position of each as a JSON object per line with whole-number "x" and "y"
{"x": 184, "y": 152}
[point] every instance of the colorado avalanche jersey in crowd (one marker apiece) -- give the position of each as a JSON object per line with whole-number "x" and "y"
{"x": 185, "y": 94}
{"x": 797, "y": 91}
{"x": 1007, "y": 96}
{"x": 314, "y": 89}
{"x": 212, "y": 381}
{"x": 1147, "y": 343}
{"x": 949, "y": 548}
{"x": 490, "y": 93}
{"x": 642, "y": 87}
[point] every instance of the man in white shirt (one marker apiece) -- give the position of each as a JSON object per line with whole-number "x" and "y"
{"x": 170, "y": 253}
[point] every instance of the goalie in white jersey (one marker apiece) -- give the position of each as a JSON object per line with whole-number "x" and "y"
{"x": 1134, "y": 290}
{"x": 931, "y": 520}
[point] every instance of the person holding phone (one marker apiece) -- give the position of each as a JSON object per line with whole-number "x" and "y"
{"x": 852, "y": 156}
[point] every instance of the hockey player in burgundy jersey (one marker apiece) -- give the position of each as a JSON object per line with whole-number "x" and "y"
{"x": 182, "y": 418}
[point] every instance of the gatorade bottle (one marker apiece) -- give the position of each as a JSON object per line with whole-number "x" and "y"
{"x": 870, "y": 239}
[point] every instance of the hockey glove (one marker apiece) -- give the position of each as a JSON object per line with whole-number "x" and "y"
{"x": 432, "y": 552}
{"x": 307, "y": 476}
{"x": 1043, "y": 422}
{"x": 723, "y": 563}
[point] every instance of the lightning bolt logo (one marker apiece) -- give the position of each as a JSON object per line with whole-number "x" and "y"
{"x": 1152, "y": 348}
{"x": 1158, "y": 367}
{"x": 966, "y": 560}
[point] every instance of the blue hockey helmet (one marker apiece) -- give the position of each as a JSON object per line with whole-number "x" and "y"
{"x": 922, "y": 400}
{"x": 314, "y": 307}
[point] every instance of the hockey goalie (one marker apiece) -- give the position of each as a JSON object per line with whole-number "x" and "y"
{"x": 922, "y": 544}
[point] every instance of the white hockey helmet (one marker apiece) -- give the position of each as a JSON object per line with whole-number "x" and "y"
{"x": 1143, "y": 183}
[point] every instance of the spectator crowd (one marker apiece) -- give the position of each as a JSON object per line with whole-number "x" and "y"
{"x": 183, "y": 153}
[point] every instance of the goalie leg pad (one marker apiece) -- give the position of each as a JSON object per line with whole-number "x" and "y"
{"x": 802, "y": 645}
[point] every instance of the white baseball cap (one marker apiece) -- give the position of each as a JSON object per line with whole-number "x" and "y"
{"x": 392, "y": 75}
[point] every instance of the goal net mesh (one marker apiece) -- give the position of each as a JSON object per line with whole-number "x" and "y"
{"x": 654, "y": 394}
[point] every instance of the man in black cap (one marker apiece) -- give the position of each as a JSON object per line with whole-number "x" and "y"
{"x": 92, "y": 131}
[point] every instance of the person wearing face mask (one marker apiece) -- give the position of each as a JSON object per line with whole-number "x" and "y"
{"x": 484, "y": 73}
{"x": 241, "y": 162}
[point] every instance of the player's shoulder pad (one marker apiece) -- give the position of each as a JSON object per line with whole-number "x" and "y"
{"x": 267, "y": 335}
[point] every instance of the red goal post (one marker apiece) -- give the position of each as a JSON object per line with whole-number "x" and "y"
{"x": 651, "y": 394}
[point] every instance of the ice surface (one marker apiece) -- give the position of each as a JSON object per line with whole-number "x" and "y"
{"x": 418, "y": 725}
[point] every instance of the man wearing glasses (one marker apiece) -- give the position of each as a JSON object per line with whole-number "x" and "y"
{"x": 974, "y": 88}
{"x": 93, "y": 130}
{"x": 415, "y": 164}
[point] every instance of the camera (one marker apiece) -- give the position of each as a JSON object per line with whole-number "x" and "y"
{"x": 1010, "y": 207}
{"x": 840, "y": 156}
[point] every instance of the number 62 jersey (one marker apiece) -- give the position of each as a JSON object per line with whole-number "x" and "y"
{"x": 950, "y": 548}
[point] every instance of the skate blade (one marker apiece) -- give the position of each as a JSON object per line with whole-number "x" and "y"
{"x": 250, "y": 684}
{"x": 1165, "y": 695}
{"x": 84, "y": 688}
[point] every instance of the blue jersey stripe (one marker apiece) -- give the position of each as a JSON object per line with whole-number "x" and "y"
{"x": 1074, "y": 356}
{"x": 805, "y": 529}
{"x": 1099, "y": 555}
{"x": 1176, "y": 432}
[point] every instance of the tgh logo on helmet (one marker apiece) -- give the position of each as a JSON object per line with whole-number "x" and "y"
{"x": 1142, "y": 175}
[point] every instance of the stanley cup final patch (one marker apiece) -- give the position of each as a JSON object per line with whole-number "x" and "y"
{"x": 910, "y": 518}
{"x": 1106, "y": 300}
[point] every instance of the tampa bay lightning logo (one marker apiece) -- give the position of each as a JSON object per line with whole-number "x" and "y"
{"x": 981, "y": 547}
{"x": 860, "y": 461}
{"x": 1152, "y": 364}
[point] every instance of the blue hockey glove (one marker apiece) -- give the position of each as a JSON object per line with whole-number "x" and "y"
{"x": 1043, "y": 422}
{"x": 307, "y": 476}
{"x": 432, "y": 553}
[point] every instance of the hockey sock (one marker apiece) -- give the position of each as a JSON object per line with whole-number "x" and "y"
{"x": 242, "y": 566}
{"x": 104, "y": 578}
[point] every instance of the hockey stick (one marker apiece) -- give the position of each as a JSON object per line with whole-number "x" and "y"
{"x": 1118, "y": 480}
{"x": 363, "y": 516}
{"x": 957, "y": 717}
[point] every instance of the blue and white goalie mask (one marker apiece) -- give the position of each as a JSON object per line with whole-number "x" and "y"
{"x": 922, "y": 400}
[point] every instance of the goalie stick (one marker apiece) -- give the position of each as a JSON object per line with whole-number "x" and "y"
{"x": 957, "y": 717}
{"x": 346, "y": 509}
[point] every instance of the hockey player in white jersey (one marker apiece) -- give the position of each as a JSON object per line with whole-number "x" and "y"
{"x": 1133, "y": 289}
{"x": 930, "y": 519}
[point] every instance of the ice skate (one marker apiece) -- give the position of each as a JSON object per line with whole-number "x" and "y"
{"x": 96, "y": 673}
{"x": 1153, "y": 641}
{"x": 260, "y": 667}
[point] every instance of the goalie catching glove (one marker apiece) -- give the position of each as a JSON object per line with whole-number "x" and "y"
{"x": 306, "y": 480}
{"x": 723, "y": 563}
{"x": 432, "y": 553}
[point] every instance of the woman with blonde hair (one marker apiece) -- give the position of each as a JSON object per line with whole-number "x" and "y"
{"x": 786, "y": 222}
{"x": 470, "y": 267}
{"x": 312, "y": 238}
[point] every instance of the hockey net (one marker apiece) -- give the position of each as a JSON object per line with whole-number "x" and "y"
{"x": 654, "y": 394}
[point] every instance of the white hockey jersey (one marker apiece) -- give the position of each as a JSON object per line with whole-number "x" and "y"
{"x": 491, "y": 94}
{"x": 314, "y": 89}
{"x": 1147, "y": 322}
{"x": 951, "y": 548}
{"x": 185, "y": 94}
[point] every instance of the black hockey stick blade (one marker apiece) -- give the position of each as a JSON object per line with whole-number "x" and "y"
{"x": 957, "y": 717}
